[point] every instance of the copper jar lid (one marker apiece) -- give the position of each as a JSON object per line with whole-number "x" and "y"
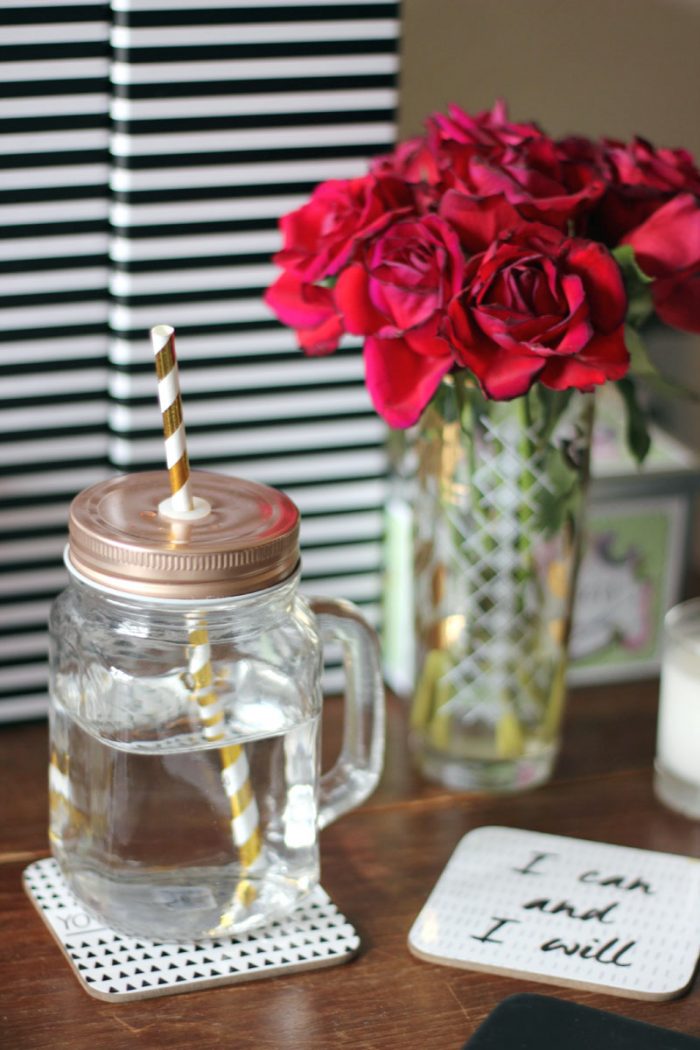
{"x": 248, "y": 541}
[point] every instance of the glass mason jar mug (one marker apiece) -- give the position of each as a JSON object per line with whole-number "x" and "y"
{"x": 185, "y": 789}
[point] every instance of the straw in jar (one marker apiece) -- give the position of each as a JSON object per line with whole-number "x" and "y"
{"x": 183, "y": 506}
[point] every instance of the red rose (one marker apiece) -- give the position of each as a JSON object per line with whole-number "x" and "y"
{"x": 320, "y": 237}
{"x": 540, "y": 306}
{"x": 403, "y": 282}
{"x": 490, "y": 131}
{"x": 464, "y": 248}
{"x": 537, "y": 180}
{"x": 640, "y": 180}
{"x": 411, "y": 161}
{"x": 667, "y": 247}
{"x": 397, "y": 294}
{"x": 309, "y": 310}
{"x": 434, "y": 162}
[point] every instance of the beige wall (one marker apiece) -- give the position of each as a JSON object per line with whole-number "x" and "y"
{"x": 613, "y": 67}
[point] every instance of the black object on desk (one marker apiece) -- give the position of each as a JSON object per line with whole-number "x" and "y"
{"x": 536, "y": 1022}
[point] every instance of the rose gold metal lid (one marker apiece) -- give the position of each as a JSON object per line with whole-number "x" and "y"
{"x": 248, "y": 541}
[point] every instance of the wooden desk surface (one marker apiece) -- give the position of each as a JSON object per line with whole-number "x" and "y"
{"x": 379, "y": 864}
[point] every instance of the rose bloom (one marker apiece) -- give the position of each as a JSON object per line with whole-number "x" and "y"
{"x": 454, "y": 142}
{"x": 489, "y": 132}
{"x": 321, "y": 236}
{"x": 428, "y": 159}
{"x": 535, "y": 179}
{"x": 640, "y": 179}
{"x": 540, "y": 306}
{"x": 667, "y": 247}
{"x": 396, "y": 295}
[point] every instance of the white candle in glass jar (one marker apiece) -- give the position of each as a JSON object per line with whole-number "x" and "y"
{"x": 678, "y": 739}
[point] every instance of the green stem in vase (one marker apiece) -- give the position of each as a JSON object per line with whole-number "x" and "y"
{"x": 499, "y": 486}
{"x": 526, "y": 584}
{"x": 489, "y": 631}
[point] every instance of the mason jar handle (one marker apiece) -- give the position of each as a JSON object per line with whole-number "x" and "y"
{"x": 356, "y": 773}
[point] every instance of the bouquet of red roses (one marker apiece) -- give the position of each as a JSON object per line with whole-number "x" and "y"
{"x": 487, "y": 246}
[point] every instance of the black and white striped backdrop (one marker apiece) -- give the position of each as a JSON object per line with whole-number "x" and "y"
{"x": 147, "y": 148}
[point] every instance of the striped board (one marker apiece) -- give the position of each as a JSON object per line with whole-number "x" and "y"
{"x": 147, "y": 191}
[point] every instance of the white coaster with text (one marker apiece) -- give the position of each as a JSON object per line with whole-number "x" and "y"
{"x": 565, "y": 911}
{"x": 116, "y": 967}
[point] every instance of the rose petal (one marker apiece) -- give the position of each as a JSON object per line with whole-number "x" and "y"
{"x": 478, "y": 220}
{"x": 502, "y": 374}
{"x": 400, "y": 382}
{"x": 407, "y": 309}
{"x": 575, "y": 337}
{"x": 298, "y": 304}
{"x": 677, "y": 301}
{"x": 508, "y": 331}
{"x": 605, "y": 358}
{"x": 351, "y": 294}
{"x": 426, "y": 340}
{"x": 602, "y": 280}
{"x": 670, "y": 239}
{"x": 321, "y": 340}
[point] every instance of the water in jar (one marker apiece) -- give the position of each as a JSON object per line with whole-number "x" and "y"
{"x": 142, "y": 828}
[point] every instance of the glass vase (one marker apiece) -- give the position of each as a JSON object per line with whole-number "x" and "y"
{"x": 498, "y": 501}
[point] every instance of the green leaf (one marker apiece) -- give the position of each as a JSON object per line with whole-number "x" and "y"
{"x": 555, "y": 503}
{"x": 640, "y": 305}
{"x": 627, "y": 261}
{"x": 641, "y": 364}
{"x": 547, "y": 407}
{"x": 642, "y": 367}
{"x": 638, "y": 438}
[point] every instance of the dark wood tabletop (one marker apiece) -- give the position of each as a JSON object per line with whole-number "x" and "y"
{"x": 379, "y": 864}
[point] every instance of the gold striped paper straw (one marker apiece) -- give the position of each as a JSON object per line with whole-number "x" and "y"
{"x": 163, "y": 342}
{"x": 60, "y": 804}
{"x": 62, "y": 809}
{"x": 234, "y": 764}
{"x": 235, "y": 774}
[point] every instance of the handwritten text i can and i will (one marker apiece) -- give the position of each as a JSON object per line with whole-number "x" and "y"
{"x": 606, "y": 950}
